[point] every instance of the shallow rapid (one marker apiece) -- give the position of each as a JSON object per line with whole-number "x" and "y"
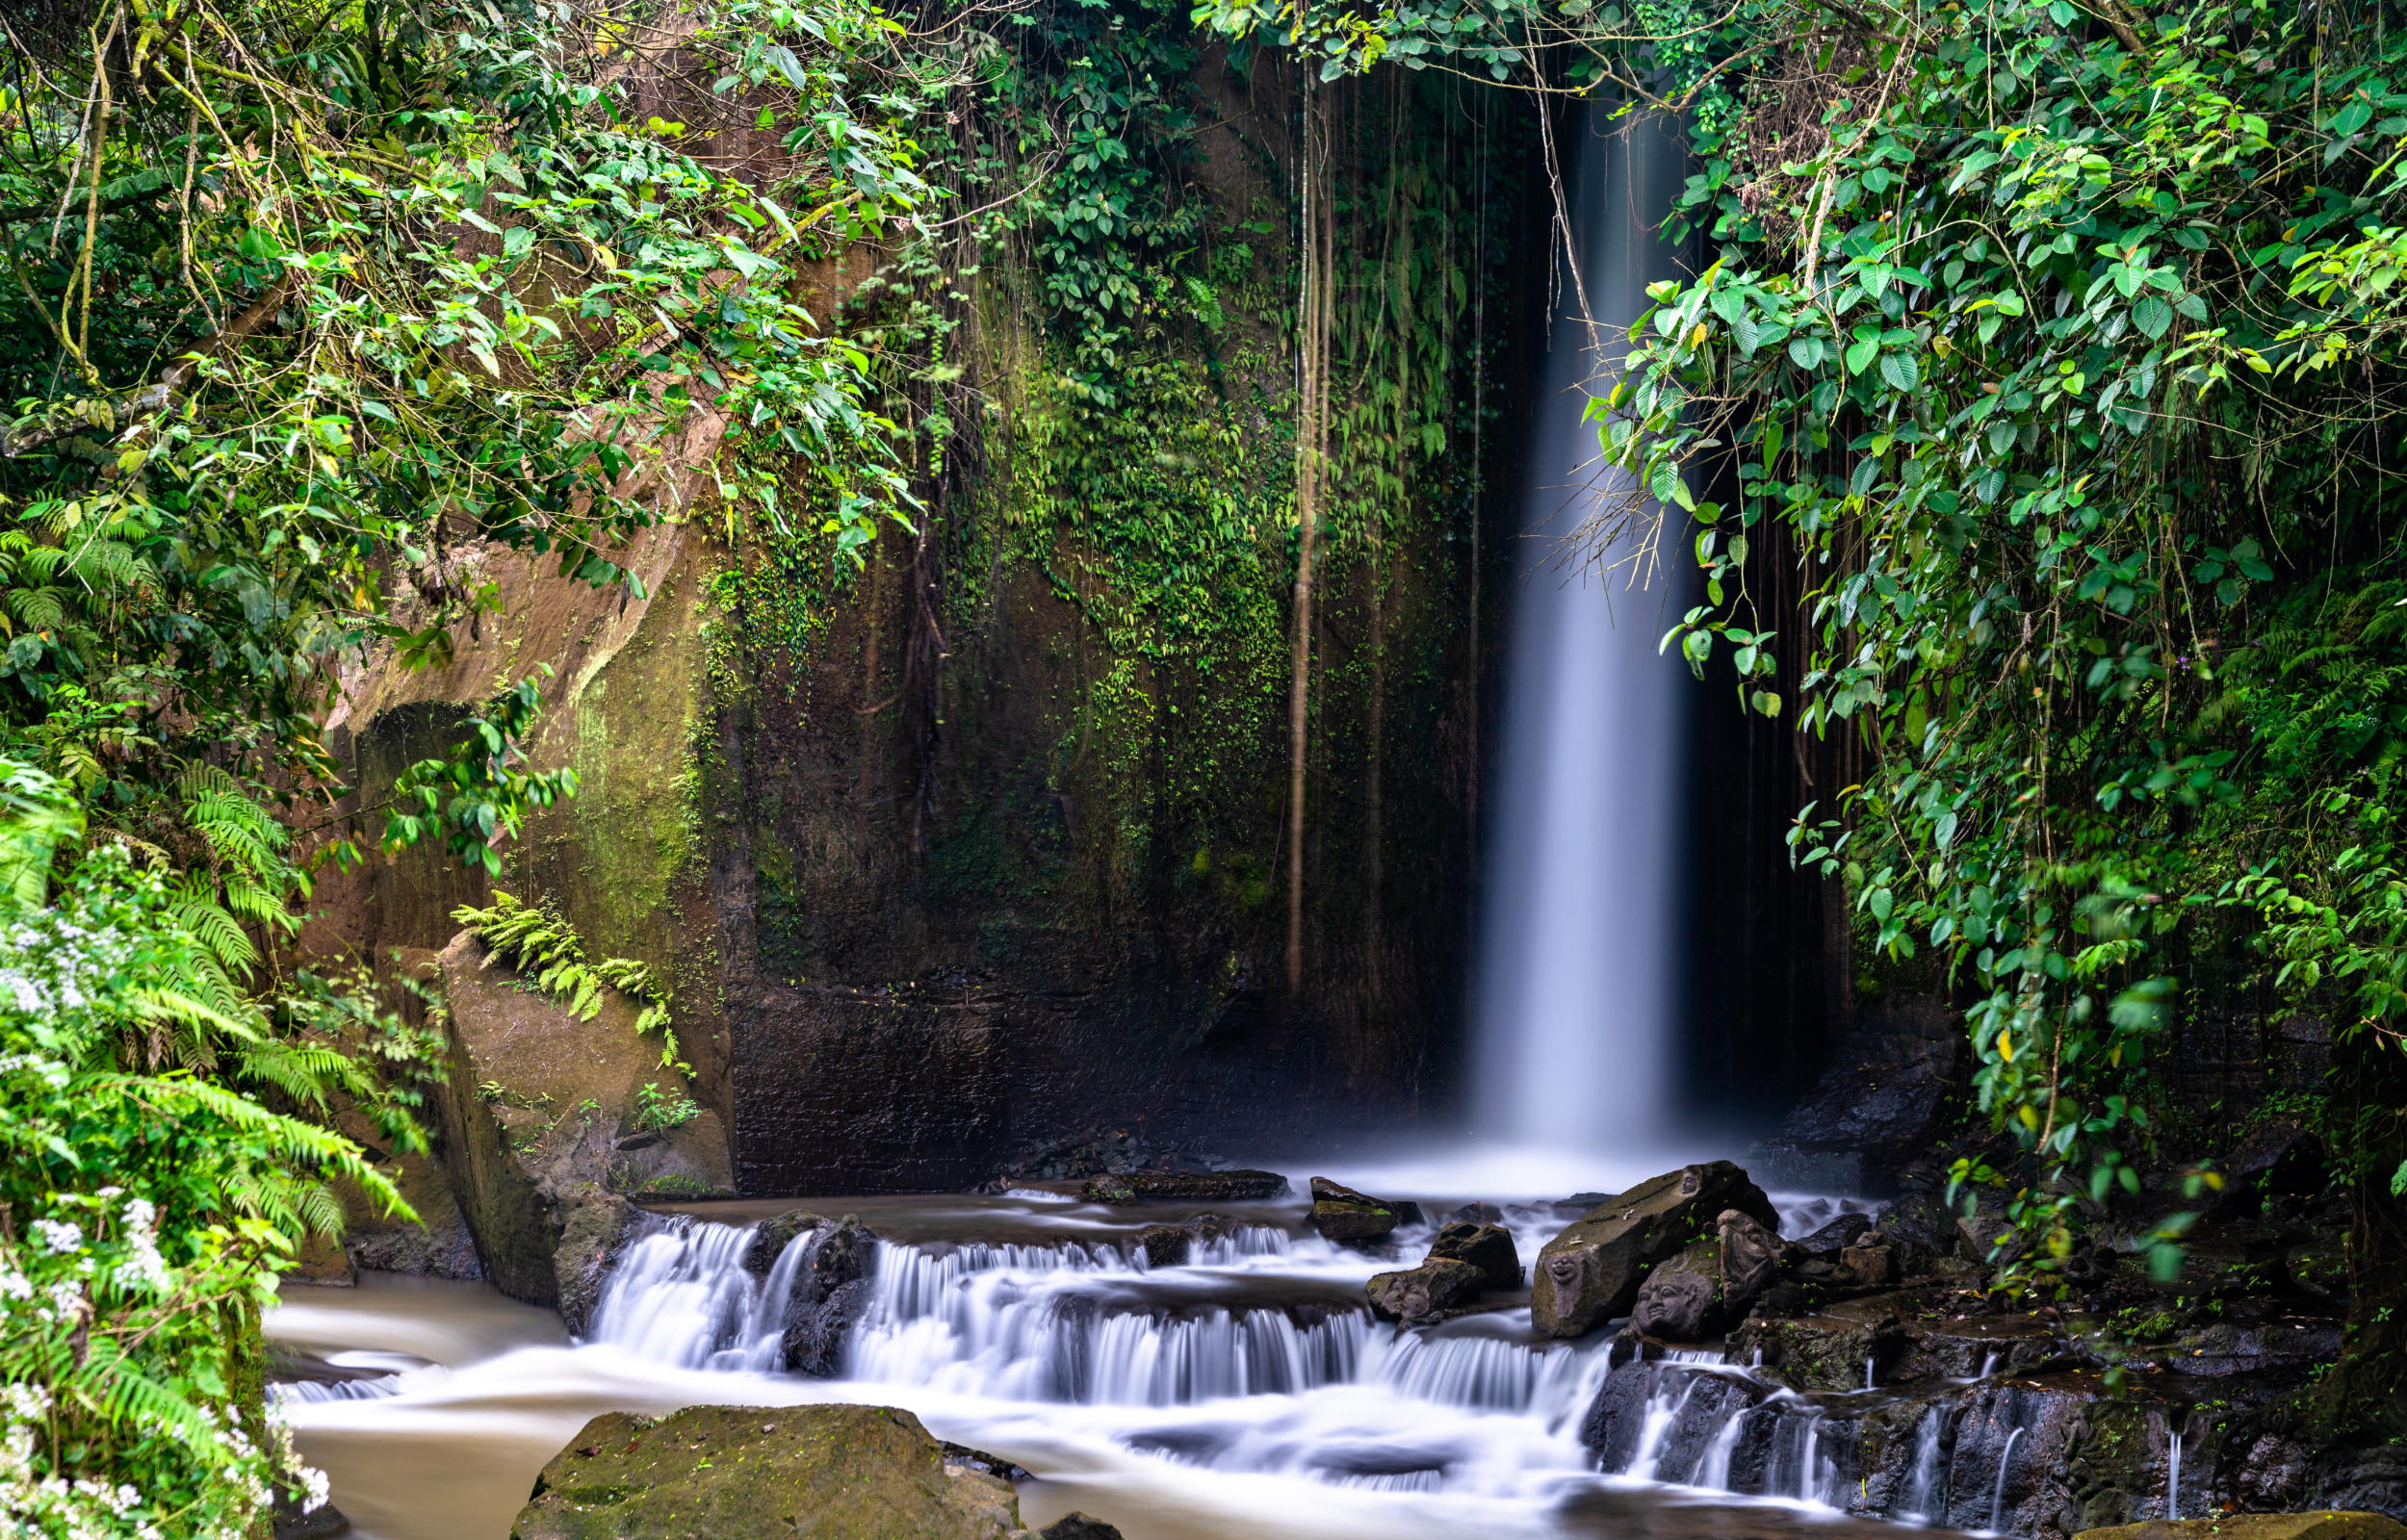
{"x": 1247, "y": 1392}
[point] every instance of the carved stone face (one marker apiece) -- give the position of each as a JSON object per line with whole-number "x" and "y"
{"x": 1564, "y": 1269}
{"x": 1692, "y": 1182}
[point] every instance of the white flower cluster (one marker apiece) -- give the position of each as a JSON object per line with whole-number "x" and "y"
{"x": 143, "y": 1268}
{"x": 62, "y": 1238}
{"x": 51, "y": 1505}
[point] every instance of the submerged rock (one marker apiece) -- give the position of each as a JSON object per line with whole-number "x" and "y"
{"x": 1351, "y": 1218}
{"x": 1423, "y": 1295}
{"x": 737, "y": 1473}
{"x": 1187, "y": 1187}
{"x": 1591, "y": 1271}
{"x": 1487, "y": 1247}
{"x": 1077, "y": 1526}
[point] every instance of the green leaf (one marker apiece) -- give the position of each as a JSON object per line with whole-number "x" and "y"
{"x": 1859, "y": 355}
{"x": 2152, "y": 315}
{"x": 1899, "y": 370}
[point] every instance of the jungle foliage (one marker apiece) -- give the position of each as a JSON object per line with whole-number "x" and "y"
{"x": 304, "y": 299}
{"x": 2061, "y": 345}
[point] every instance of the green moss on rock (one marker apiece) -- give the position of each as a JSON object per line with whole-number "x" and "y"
{"x": 734, "y": 1473}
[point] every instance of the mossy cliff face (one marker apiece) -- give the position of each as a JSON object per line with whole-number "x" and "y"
{"x": 980, "y": 845}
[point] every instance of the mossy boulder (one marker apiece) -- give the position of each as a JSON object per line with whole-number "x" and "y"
{"x": 1354, "y": 1219}
{"x": 736, "y": 1472}
{"x": 1591, "y": 1271}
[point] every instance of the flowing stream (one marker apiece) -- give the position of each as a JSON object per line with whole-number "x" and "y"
{"x": 1246, "y": 1393}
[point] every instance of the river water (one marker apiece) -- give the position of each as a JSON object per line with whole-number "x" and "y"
{"x": 1247, "y": 1393}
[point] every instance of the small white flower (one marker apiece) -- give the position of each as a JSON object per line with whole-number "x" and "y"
{"x": 59, "y": 1235}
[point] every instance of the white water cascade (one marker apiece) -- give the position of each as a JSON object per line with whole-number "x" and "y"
{"x": 1578, "y": 943}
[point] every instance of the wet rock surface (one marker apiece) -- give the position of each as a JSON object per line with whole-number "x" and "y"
{"x": 1419, "y": 1297}
{"x": 736, "y": 1473}
{"x": 1886, "y": 1096}
{"x": 1185, "y": 1187}
{"x": 1352, "y": 1219}
{"x": 1591, "y": 1271}
{"x": 2328, "y": 1524}
{"x": 1487, "y": 1246}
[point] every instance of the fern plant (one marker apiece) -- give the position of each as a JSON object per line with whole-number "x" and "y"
{"x": 539, "y": 942}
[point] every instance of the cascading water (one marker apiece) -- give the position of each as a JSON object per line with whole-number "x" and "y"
{"x": 1575, "y": 976}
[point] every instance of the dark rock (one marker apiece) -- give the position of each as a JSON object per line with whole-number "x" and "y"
{"x": 1884, "y": 1099}
{"x": 1750, "y": 1255}
{"x": 596, "y": 1233}
{"x": 1487, "y": 1247}
{"x": 1477, "y": 1214}
{"x": 1782, "y": 1300}
{"x": 1187, "y": 1187}
{"x": 738, "y": 1473}
{"x": 643, "y": 1140}
{"x": 775, "y": 1234}
{"x": 1989, "y": 1240}
{"x": 1676, "y": 1302}
{"x": 1173, "y": 1246}
{"x": 1868, "y": 1267}
{"x": 1705, "y": 1401}
{"x": 1834, "y": 1237}
{"x": 1921, "y": 1220}
{"x": 1422, "y": 1295}
{"x": 1351, "y": 1218}
{"x": 286, "y": 1521}
{"x": 2281, "y": 1159}
{"x": 1590, "y": 1273}
{"x": 1077, "y": 1526}
{"x": 1825, "y": 1351}
{"x": 831, "y": 1292}
{"x": 985, "y": 1464}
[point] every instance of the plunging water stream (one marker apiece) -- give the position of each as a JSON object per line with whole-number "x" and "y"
{"x": 1577, "y": 952}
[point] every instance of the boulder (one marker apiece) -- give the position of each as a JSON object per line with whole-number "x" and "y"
{"x": 1590, "y": 1273}
{"x": 1077, "y": 1526}
{"x": 1173, "y": 1246}
{"x": 1476, "y": 1214}
{"x": 830, "y": 1293}
{"x": 1187, "y": 1187}
{"x": 1835, "y": 1237}
{"x": 2324, "y": 1526}
{"x": 2282, "y": 1159}
{"x": 1750, "y": 1254}
{"x": 1676, "y": 1302}
{"x": 737, "y": 1473}
{"x": 1487, "y": 1247}
{"x": 1921, "y": 1220}
{"x": 775, "y": 1234}
{"x": 1423, "y": 1295}
{"x": 1824, "y": 1352}
{"x": 1989, "y": 1239}
{"x": 596, "y": 1233}
{"x": 1868, "y": 1267}
{"x": 1352, "y": 1219}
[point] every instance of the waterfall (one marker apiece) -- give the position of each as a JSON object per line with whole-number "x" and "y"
{"x": 1922, "y": 1481}
{"x": 2173, "y": 1480}
{"x": 1576, "y": 989}
{"x": 2005, "y": 1456}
